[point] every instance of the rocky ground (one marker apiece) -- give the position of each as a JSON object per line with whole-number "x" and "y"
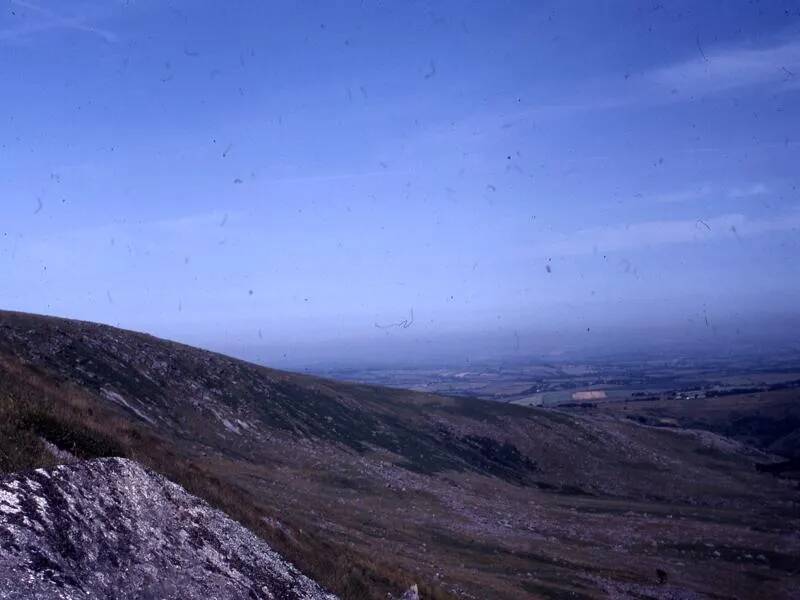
{"x": 108, "y": 528}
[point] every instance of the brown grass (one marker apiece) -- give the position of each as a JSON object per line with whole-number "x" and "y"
{"x": 33, "y": 408}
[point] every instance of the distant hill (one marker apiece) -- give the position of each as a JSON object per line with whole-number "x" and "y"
{"x": 369, "y": 490}
{"x": 767, "y": 418}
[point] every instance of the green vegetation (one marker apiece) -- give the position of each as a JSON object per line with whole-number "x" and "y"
{"x": 34, "y": 411}
{"x": 29, "y": 417}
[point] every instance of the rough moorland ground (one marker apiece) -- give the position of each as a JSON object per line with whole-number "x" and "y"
{"x": 368, "y": 490}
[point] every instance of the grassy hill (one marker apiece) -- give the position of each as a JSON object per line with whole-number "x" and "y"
{"x": 369, "y": 489}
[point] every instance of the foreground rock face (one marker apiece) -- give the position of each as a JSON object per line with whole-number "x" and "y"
{"x": 111, "y": 529}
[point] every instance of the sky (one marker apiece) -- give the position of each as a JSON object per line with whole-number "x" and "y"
{"x": 347, "y": 181}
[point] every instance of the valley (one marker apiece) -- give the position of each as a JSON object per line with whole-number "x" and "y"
{"x": 369, "y": 489}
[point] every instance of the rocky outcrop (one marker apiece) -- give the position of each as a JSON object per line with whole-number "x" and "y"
{"x": 411, "y": 594}
{"x": 109, "y": 528}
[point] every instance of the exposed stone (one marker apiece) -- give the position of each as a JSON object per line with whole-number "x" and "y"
{"x": 109, "y": 528}
{"x": 411, "y": 594}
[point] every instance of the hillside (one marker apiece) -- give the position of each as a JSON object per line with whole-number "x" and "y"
{"x": 110, "y": 529}
{"x": 768, "y": 419}
{"x": 368, "y": 490}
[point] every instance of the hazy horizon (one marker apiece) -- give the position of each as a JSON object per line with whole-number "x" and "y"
{"x": 378, "y": 183}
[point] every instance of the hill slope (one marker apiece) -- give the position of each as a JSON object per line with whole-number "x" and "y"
{"x": 109, "y": 529}
{"x": 369, "y": 489}
{"x": 768, "y": 419}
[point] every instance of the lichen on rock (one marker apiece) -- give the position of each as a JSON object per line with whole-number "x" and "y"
{"x": 110, "y": 528}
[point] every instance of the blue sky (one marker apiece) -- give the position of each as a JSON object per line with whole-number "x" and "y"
{"x": 275, "y": 178}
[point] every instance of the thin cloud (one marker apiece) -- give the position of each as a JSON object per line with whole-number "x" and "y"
{"x": 328, "y": 176}
{"x": 727, "y": 69}
{"x": 719, "y": 71}
{"x": 50, "y": 21}
{"x": 755, "y": 189}
{"x": 194, "y": 223}
{"x": 665, "y": 232}
{"x": 706, "y": 191}
{"x": 685, "y": 195}
{"x": 716, "y": 71}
